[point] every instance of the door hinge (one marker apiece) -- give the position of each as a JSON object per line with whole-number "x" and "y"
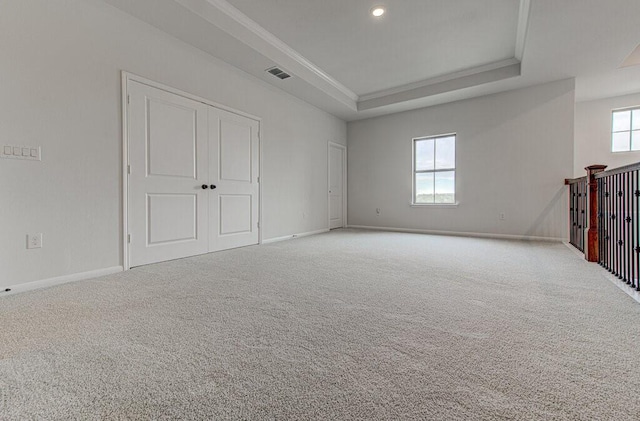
{"x": 128, "y": 99}
{"x": 129, "y": 238}
{"x": 258, "y": 179}
{"x": 128, "y": 169}
{"x": 258, "y": 225}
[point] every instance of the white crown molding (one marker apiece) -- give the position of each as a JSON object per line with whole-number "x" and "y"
{"x": 322, "y": 87}
{"x": 249, "y": 25}
{"x": 440, "y": 79}
{"x": 449, "y": 83}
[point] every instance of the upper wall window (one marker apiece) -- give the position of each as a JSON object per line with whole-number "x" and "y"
{"x": 434, "y": 170}
{"x": 625, "y": 132}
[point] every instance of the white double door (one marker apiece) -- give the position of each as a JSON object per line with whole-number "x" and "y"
{"x": 193, "y": 182}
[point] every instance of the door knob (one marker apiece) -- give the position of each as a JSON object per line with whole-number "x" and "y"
{"x": 204, "y": 187}
{"x": 213, "y": 186}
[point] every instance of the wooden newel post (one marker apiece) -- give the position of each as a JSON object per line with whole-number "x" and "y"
{"x": 591, "y": 250}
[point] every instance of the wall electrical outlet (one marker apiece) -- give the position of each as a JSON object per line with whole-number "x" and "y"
{"x": 377, "y": 211}
{"x": 34, "y": 241}
{"x": 501, "y": 216}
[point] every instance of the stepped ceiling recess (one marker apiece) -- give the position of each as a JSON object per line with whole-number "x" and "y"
{"x": 419, "y": 53}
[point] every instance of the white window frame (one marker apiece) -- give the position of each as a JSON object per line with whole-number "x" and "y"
{"x": 630, "y": 130}
{"x": 414, "y": 171}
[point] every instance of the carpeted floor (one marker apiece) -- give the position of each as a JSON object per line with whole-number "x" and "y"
{"x": 343, "y": 326}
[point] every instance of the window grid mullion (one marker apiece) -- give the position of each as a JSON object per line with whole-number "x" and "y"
{"x": 440, "y": 170}
{"x": 431, "y": 171}
{"x": 629, "y": 130}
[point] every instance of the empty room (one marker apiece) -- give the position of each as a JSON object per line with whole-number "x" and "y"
{"x": 319, "y": 210}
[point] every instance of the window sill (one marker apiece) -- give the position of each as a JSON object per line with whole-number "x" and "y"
{"x": 434, "y": 205}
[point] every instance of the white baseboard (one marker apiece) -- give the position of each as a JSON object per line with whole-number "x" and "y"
{"x": 292, "y": 236}
{"x": 44, "y": 283}
{"x": 460, "y": 234}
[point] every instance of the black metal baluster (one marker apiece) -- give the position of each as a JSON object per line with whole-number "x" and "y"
{"x": 619, "y": 222}
{"x": 602, "y": 233}
{"x": 600, "y": 182}
{"x": 611, "y": 221}
{"x": 581, "y": 213}
{"x": 572, "y": 216}
{"x": 636, "y": 218}
{"x": 633, "y": 229}
{"x": 623, "y": 227}
{"x": 608, "y": 222}
{"x": 627, "y": 226}
{"x": 612, "y": 195}
{"x": 614, "y": 228}
{"x": 577, "y": 215}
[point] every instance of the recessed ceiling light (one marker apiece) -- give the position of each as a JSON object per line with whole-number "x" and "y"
{"x": 378, "y": 11}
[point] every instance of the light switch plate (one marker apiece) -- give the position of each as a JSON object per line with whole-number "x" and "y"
{"x": 29, "y": 153}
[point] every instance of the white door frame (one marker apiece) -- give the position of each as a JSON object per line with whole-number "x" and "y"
{"x": 344, "y": 183}
{"x": 130, "y": 77}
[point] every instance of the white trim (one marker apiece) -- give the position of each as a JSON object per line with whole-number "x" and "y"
{"x": 292, "y": 236}
{"x": 621, "y": 285}
{"x": 45, "y": 283}
{"x": 454, "y": 169}
{"x": 222, "y": 7}
{"x": 126, "y": 78}
{"x": 125, "y": 171}
{"x": 344, "y": 182}
{"x": 140, "y": 79}
{"x": 434, "y": 205}
{"x": 523, "y": 28}
{"x": 460, "y": 233}
{"x": 496, "y": 65}
{"x": 260, "y": 190}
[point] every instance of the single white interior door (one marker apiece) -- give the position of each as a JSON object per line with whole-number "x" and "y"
{"x": 337, "y": 166}
{"x": 234, "y": 200}
{"x": 168, "y": 156}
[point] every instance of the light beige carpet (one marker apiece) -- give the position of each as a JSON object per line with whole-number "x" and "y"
{"x": 343, "y": 326}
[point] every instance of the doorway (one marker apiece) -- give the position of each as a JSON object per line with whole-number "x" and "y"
{"x": 337, "y": 185}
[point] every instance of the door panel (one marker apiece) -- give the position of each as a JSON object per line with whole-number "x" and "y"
{"x": 237, "y": 212}
{"x": 171, "y": 139}
{"x": 168, "y": 154}
{"x": 234, "y": 153}
{"x": 171, "y": 218}
{"x": 336, "y": 189}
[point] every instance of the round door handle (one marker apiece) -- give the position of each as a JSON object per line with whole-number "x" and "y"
{"x": 213, "y": 186}
{"x": 204, "y": 187}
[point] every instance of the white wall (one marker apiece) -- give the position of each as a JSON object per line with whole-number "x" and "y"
{"x": 514, "y": 151}
{"x": 60, "y": 89}
{"x": 593, "y": 134}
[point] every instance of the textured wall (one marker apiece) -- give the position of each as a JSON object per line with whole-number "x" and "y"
{"x": 593, "y": 134}
{"x": 60, "y": 89}
{"x": 514, "y": 150}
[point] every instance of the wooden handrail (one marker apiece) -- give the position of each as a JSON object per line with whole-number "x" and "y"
{"x": 569, "y": 181}
{"x": 619, "y": 170}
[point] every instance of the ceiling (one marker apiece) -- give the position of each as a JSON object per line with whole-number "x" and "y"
{"x": 420, "y": 53}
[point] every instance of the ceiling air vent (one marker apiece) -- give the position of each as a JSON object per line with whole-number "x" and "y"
{"x": 279, "y": 73}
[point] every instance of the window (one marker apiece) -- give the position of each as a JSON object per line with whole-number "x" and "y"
{"x": 625, "y": 131}
{"x": 434, "y": 170}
